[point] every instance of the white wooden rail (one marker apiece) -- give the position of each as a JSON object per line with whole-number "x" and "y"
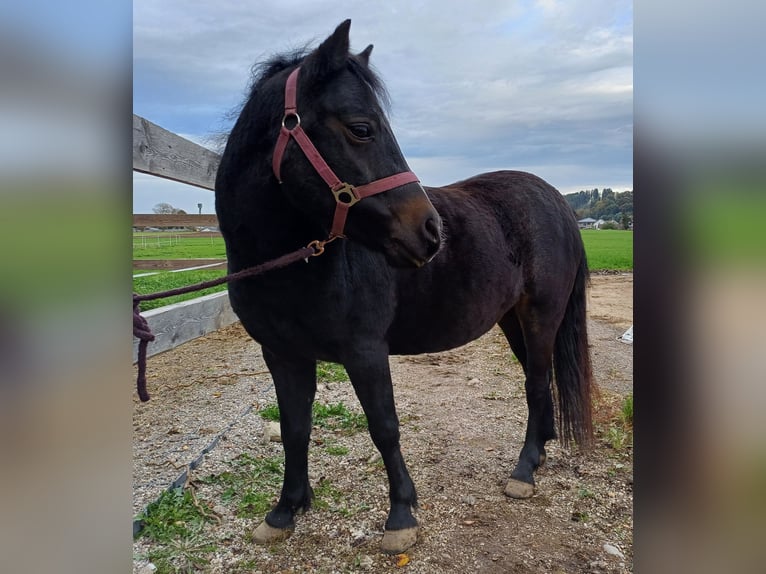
{"x": 159, "y": 152}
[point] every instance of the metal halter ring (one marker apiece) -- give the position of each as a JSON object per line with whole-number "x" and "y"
{"x": 290, "y": 115}
{"x": 345, "y": 194}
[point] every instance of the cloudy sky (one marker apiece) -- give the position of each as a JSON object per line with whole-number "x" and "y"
{"x": 544, "y": 86}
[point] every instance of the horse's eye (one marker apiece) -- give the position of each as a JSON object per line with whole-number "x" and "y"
{"x": 360, "y": 131}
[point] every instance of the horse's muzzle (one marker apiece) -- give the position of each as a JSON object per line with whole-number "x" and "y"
{"x": 416, "y": 237}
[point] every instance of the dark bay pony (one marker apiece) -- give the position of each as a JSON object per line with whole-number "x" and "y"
{"x": 420, "y": 269}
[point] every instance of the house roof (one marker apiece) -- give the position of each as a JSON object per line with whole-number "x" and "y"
{"x": 587, "y": 220}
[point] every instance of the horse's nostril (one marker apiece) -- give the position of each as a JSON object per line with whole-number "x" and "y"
{"x": 431, "y": 227}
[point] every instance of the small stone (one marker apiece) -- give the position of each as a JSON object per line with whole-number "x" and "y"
{"x": 473, "y": 381}
{"x": 321, "y": 387}
{"x": 147, "y": 569}
{"x": 468, "y": 499}
{"x": 614, "y": 551}
{"x": 272, "y": 432}
{"x": 366, "y": 562}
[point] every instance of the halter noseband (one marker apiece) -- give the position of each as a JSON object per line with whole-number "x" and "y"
{"x": 345, "y": 194}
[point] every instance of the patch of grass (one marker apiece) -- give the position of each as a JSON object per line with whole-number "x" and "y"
{"x": 326, "y": 495}
{"x": 270, "y": 412}
{"x": 177, "y": 246}
{"x": 167, "y": 280}
{"x": 250, "y": 484}
{"x": 585, "y": 493}
{"x": 189, "y": 554}
{"x": 328, "y": 416}
{"x": 336, "y": 449}
{"x": 176, "y": 527}
{"x": 608, "y": 249}
{"x": 614, "y": 421}
{"x": 172, "y": 515}
{"x": 580, "y": 516}
{"x": 338, "y": 417}
{"x": 618, "y": 438}
{"x": 331, "y": 373}
{"x": 627, "y": 411}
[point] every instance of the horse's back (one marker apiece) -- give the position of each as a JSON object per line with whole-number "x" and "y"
{"x": 509, "y": 235}
{"x": 538, "y": 226}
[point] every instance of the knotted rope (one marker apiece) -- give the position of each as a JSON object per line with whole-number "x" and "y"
{"x": 144, "y": 334}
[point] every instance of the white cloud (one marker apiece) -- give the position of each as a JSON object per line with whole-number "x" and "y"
{"x": 485, "y": 83}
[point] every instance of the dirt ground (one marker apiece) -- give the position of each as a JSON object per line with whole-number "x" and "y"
{"x": 463, "y": 419}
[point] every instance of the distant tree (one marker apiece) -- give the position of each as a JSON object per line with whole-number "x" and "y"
{"x": 164, "y": 208}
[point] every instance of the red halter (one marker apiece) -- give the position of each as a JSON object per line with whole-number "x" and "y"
{"x": 345, "y": 194}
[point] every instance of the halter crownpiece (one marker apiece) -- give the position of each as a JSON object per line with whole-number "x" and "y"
{"x": 345, "y": 194}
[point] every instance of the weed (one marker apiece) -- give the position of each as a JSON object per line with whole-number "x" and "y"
{"x": 250, "y": 483}
{"x": 327, "y": 496}
{"x": 585, "y": 493}
{"x": 187, "y": 554}
{"x": 338, "y": 417}
{"x": 330, "y": 416}
{"x": 331, "y": 372}
{"x": 175, "y": 524}
{"x": 618, "y": 438}
{"x": 627, "y": 411}
{"x": 270, "y": 412}
{"x": 614, "y": 421}
{"x": 336, "y": 449}
{"x": 580, "y": 516}
{"x": 172, "y": 515}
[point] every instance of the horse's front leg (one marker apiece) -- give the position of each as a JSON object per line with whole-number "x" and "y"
{"x": 295, "y": 384}
{"x": 371, "y": 377}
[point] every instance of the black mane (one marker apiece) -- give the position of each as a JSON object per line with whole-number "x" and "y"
{"x": 263, "y": 71}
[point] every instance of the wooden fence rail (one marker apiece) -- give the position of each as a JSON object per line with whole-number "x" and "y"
{"x": 162, "y": 153}
{"x": 159, "y": 152}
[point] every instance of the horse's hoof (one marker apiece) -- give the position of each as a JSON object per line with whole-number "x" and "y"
{"x": 266, "y": 534}
{"x": 518, "y": 489}
{"x": 397, "y": 541}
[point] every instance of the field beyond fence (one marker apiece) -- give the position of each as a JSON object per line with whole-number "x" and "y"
{"x": 607, "y": 249}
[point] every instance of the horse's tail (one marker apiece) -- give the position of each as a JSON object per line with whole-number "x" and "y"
{"x": 571, "y": 362}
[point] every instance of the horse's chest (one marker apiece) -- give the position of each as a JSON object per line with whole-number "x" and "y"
{"x": 309, "y": 318}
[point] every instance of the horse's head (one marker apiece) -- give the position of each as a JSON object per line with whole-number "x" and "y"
{"x": 336, "y": 105}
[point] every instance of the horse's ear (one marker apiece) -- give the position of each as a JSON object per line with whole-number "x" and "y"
{"x": 364, "y": 55}
{"x": 331, "y": 54}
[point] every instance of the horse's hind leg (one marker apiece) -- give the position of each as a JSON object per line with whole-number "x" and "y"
{"x": 532, "y": 339}
{"x": 371, "y": 377}
{"x": 295, "y": 384}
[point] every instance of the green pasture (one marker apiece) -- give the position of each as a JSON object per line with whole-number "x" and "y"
{"x": 607, "y": 249}
{"x": 176, "y": 246}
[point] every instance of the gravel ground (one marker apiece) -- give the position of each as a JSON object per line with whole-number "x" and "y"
{"x": 463, "y": 419}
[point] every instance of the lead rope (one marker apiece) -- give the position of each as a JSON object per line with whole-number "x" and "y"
{"x": 144, "y": 334}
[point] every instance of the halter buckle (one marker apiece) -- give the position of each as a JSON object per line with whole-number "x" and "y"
{"x": 345, "y": 194}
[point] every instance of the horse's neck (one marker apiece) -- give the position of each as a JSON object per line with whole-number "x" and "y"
{"x": 275, "y": 226}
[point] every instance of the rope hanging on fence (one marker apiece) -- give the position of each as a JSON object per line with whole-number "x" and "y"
{"x": 144, "y": 334}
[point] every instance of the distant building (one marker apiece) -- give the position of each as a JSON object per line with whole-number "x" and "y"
{"x": 586, "y": 223}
